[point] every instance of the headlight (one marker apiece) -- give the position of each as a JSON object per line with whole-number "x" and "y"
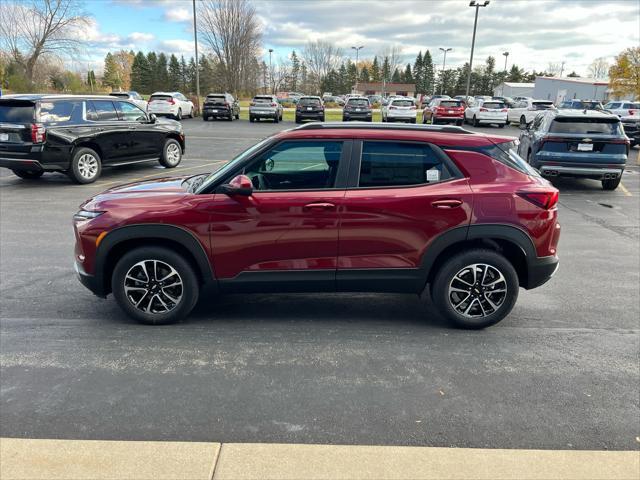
{"x": 83, "y": 215}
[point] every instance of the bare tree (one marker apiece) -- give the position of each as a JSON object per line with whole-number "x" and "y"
{"x": 554, "y": 68}
{"x": 32, "y": 29}
{"x": 319, "y": 58}
{"x": 394, "y": 55}
{"x": 599, "y": 68}
{"x": 232, "y": 31}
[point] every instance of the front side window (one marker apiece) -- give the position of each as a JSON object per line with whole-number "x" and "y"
{"x": 105, "y": 110}
{"x": 130, "y": 113}
{"x": 388, "y": 164}
{"x": 297, "y": 165}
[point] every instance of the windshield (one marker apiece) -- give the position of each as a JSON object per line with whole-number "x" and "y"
{"x": 309, "y": 101}
{"x": 493, "y": 105}
{"x": 586, "y": 126}
{"x": 542, "y": 105}
{"x": 402, "y": 103}
{"x": 358, "y": 102}
{"x": 262, "y": 100}
{"x": 16, "y": 112}
{"x": 225, "y": 169}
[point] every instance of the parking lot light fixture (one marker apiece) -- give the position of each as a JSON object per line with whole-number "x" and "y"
{"x": 270, "y": 72}
{"x": 477, "y": 6}
{"x": 506, "y": 56}
{"x": 444, "y": 63}
{"x": 357, "y": 49}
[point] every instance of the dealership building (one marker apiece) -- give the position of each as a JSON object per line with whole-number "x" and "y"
{"x": 514, "y": 89}
{"x": 380, "y": 88}
{"x": 559, "y": 89}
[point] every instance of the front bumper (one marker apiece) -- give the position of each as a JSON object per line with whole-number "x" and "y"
{"x": 88, "y": 281}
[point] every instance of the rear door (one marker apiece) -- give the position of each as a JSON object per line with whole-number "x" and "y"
{"x": 401, "y": 196}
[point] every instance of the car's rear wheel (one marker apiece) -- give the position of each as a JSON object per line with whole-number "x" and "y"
{"x": 86, "y": 166}
{"x": 237, "y": 115}
{"x": 475, "y": 289}
{"x": 28, "y": 174}
{"x": 204, "y": 118}
{"x": 459, "y": 123}
{"x": 155, "y": 285}
{"x": 171, "y": 153}
{"x": 523, "y": 122}
{"x": 251, "y": 119}
{"x": 476, "y": 123}
{"x": 501, "y": 125}
{"x": 611, "y": 183}
{"x": 179, "y": 115}
{"x": 276, "y": 119}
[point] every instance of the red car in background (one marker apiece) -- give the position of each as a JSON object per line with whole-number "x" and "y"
{"x": 444, "y": 110}
{"x": 331, "y": 207}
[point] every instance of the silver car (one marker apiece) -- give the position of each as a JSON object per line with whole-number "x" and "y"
{"x": 265, "y": 106}
{"x": 402, "y": 109}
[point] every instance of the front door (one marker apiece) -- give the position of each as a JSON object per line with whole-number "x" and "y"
{"x": 145, "y": 139}
{"x": 404, "y": 196}
{"x": 285, "y": 235}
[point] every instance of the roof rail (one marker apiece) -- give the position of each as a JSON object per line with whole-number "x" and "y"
{"x": 382, "y": 126}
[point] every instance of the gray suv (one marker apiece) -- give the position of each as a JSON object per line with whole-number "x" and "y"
{"x": 265, "y": 106}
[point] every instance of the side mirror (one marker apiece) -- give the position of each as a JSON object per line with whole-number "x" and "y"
{"x": 153, "y": 118}
{"x": 239, "y": 185}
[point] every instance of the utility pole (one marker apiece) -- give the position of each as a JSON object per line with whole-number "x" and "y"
{"x": 506, "y": 55}
{"x": 444, "y": 63}
{"x": 270, "y": 72}
{"x": 357, "y": 49}
{"x": 561, "y": 69}
{"x": 195, "y": 39}
{"x": 477, "y": 5}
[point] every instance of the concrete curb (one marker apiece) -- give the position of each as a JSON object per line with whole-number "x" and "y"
{"x": 22, "y": 459}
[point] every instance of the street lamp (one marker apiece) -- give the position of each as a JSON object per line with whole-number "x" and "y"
{"x": 195, "y": 42}
{"x": 270, "y": 71}
{"x": 357, "y": 49}
{"x": 506, "y": 55}
{"x": 477, "y": 5}
{"x": 444, "y": 62}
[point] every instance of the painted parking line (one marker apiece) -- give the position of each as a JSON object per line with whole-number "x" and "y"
{"x": 92, "y": 459}
{"x": 625, "y": 191}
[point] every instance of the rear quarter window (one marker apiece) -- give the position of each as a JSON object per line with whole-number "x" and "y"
{"x": 507, "y": 154}
{"x": 17, "y": 112}
{"x": 61, "y": 112}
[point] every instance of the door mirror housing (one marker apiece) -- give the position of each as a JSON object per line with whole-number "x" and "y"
{"x": 153, "y": 118}
{"x": 239, "y": 185}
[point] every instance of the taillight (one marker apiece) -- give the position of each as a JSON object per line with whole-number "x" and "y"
{"x": 484, "y": 110}
{"x": 274, "y": 104}
{"x": 413, "y": 107}
{"x": 172, "y": 101}
{"x": 38, "y": 133}
{"x": 504, "y": 110}
{"x": 632, "y": 112}
{"x": 252, "y": 104}
{"x": 546, "y": 200}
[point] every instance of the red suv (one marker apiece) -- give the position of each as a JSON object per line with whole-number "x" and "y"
{"x": 331, "y": 207}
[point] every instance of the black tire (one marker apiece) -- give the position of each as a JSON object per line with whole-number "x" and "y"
{"x": 413, "y": 120}
{"x": 523, "y": 122}
{"x": 28, "y": 174}
{"x": 370, "y": 119}
{"x": 85, "y": 167}
{"x": 205, "y": 118}
{"x": 179, "y": 115}
{"x": 237, "y": 116}
{"x": 171, "y": 153}
{"x": 344, "y": 119}
{"x": 459, "y": 123}
{"x": 230, "y": 118}
{"x": 276, "y": 118}
{"x": 611, "y": 183}
{"x": 501, "y": 125}
{"x": 424, "y": 119}
{"x": 251, "y": 119}
{"x": 298, "y": 120}
{"x": 322, "y": 120}
{"x": 191, "y": 113}
{"x": 433, "y": 120}
{"x": 476, "y": 123}
{"x": 188, "y": 292}
{"x": 443, "y": 299}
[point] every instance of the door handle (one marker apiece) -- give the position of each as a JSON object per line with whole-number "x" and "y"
{"x": 447, "y": 203}
{"x": 320, "y": 206}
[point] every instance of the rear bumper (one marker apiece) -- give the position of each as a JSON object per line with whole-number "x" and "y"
{"x": 356, "y": 115}
{"x": 448, "y": 118}
{"x": 21, "y": 164}
{"x": 595, "y": 171}
{"x": 216, "y": 112}
{"x": 484, "y": 119}
{"x": 540, "y": 271}
{"x": 263, "y": 113}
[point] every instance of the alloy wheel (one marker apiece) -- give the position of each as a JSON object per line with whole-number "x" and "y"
{"x": 173, "y": 153}
{"x": 153, "y": 286}
{"x": 88, "y": 166}
{"x": 477, "y": 290}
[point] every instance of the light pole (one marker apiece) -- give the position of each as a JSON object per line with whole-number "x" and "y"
{"x": 270, "y": 72}
{"x": 506, "y": 55}
{"x": 195, "y": 40}
{"x": 477, "y": 5}
{"x": 357, "y": 49}
{"x": 444, "y": 62}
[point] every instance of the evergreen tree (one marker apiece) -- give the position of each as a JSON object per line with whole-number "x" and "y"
{"x": 343, "y": 82}
{"x": 418, "y": 74}
{"x": 91, "y": 80}
{"x": 111, "y": 74}
{"x": 295, "y": 70}
{"x": 191, "y": 76}
{"x": 141, "y": 74}
{"x": 396, "y": 77}
{"x": 152, "y": 60}
{"x": 207, "y": 75}
{"x": 428, "y": 73}
{"x": 184, "y": 74}
{"x": 386, "y": 70}
{"x": 461, "y": 79}
{"x": 515, "y": 74}
{"x": 174, "y": 74}
{"x": 363, "y": 76}
{"x": 375, "y": 70}
{"x": 161, "y": 74}
{"x": 351, "y": 75}
{"x": 408, "y": 76}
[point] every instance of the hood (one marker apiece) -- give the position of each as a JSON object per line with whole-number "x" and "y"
{"x": 157, "y": 185}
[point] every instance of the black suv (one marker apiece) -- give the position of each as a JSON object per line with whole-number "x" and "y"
{"x": 309, "y": 108}
{"x": 357, "y": 108}
{"x": 220, "y": 105}
{"x": 78, "y": 135}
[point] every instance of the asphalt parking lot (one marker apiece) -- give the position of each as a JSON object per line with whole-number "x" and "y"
{"x": 561, "y": 372}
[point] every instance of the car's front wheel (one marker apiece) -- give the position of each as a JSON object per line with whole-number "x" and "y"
{"x": 611, "y": 183}
{"x": 155, "y": 285}
{"x": 179, "y": 114}
{"x": 171, "y": 153}
{"x": 476, "y": 123}
{"x": 475, "y": 289}
{"x": 523, "y": 122}
{"x": 28, "y": 174}
{"x": 86, "y": 166}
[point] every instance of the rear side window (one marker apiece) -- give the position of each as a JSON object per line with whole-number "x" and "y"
{"x": 507, "y": 154}
{"x": 586, "y": 126}
{"x": 105, "y": 110}
{"x": 389, "y": 164}
{"x": 130, "y": 113}
{"x": 16, "y": 112}
{"x": 61, "y": 112}
{"x": 216, "y": 98}
{"x": 542, "y": 105}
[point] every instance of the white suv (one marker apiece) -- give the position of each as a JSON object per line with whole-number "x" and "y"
{"x": 172, "y": 104}
{"x": 403, "y": 109}
{"x": 622, "y": 108}
{"x": 524, "y": 111}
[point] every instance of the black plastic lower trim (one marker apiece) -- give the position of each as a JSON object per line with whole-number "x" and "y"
{"x": 540, "y": 270}
{"x": 280, "y": 281}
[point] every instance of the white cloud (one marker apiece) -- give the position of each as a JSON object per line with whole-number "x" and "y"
{"x": 178, "y": 14}
{"x": 177, "y": 47}
{"x": 140, "y": 37}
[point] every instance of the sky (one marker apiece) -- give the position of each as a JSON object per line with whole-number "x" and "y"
{"x": 534, "y": 32}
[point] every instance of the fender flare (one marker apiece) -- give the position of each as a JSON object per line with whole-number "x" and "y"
{"x": 152, "y": 231}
